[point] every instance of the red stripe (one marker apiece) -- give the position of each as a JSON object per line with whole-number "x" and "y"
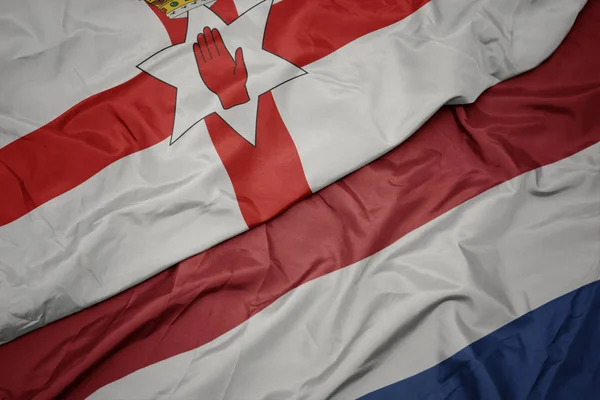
{"x": 61, "y": 155}
{"x": 90, "y": 136}
{"x": 303, "y": 31}
{"x": 266, "y": 178}
{"x": 521, "y": 124}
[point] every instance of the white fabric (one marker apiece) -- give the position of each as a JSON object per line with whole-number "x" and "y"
{"x": 54, "y": 54}
{"x": 153, "y": 209}
{"x": 408, "y": 307}
{"x": 359, "y": 102}
{"x": 93, "y": 241}
{"x": 195, "y": 100}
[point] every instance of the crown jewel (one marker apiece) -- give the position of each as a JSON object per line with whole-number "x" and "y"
{"x": 174, "y": 8}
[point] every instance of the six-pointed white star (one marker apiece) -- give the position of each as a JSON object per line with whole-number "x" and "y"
{"x": 176, "y": 66}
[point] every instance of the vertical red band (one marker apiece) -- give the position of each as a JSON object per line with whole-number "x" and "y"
{"x": 268, "y": 177}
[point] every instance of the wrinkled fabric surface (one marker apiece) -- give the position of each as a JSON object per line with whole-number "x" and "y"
{"x": 524, "y": 123}
{"x": 407, "y": 307}
{"x": 96, "y": 200}
{"x": 525, "y": 359}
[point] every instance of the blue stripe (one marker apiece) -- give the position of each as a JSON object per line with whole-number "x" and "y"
{"x": 552, "y": 352}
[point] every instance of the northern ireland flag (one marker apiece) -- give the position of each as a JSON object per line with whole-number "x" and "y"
{"x": 460, "y": 265}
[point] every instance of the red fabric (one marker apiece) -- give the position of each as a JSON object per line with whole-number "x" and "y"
{"x": 106, "y": 127}
{"x": 224, "y": 9}
{"x": 221, "y": 73}
{"x": 266, "y": 178}
{"x": 81, "y": 142}
{"x": 529, "y": 121}
{"x": 303, "y": 31}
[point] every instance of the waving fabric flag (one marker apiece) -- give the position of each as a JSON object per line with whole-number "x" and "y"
{"x": 133, "y": 138}
{"x": 460, "y": 265}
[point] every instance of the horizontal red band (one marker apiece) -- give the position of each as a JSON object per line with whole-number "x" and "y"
{"x": 81, "y": 142}
{"x": 304, "y": 31}
{"x": 266, "y": 178}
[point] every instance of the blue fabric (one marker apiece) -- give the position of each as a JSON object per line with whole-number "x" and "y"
{"x": 552, "y": 352}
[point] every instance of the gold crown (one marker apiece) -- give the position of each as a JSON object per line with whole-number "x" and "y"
{"x": 174, "y": 8}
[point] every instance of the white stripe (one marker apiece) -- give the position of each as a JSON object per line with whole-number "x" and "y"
{"x": 135, "y": 218}
{"x": 54, "y": 54}
{"x": 408, "y": 307}
{"x": 369, "y": 96}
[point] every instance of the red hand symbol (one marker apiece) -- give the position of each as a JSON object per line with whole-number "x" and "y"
{"x": 223, "y": 75}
